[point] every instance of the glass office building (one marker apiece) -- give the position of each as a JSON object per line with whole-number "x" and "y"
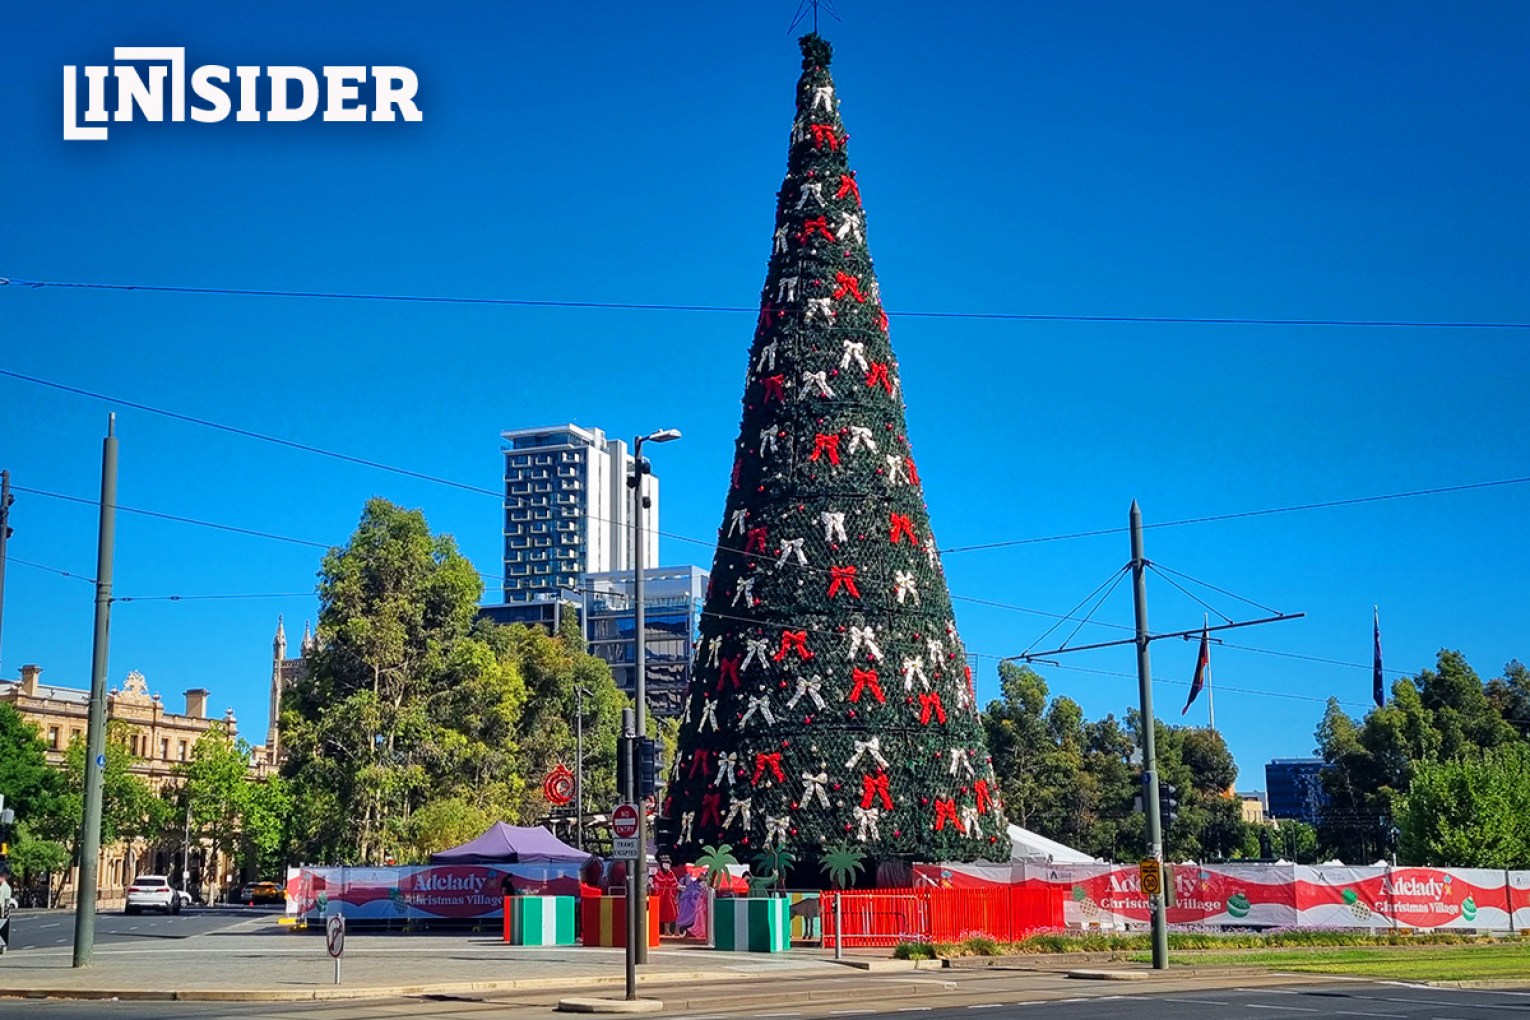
{"x": 1294, "y": 788}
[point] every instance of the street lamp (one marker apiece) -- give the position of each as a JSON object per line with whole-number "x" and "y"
{"x": 580, "y": 693}
{"x": 640, "y": 502}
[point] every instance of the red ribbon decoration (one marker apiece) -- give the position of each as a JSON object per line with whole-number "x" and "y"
{"x": 826, "y": 446}
{"x": 878, "y": 376}
{"x": 903, "y": 527}
{"x": 874, "y": 788}
{"x": 945, "y": 811}
{"x": 754, "y": 540}
{"x": 764, "y": 319}
{"x": 848, "y": 186}
{"x": 711, "y": 809}
{"x": 881, "y": 319}
{"x": 866, "y": 678}
{"x": 913, "y": 472}
{"x": 738, "y": 466}
{"x": 728, "y": 670}
{"x": 983, "y": 796}
{"x": 768, "y": 761}
{"x": 793, "y": 639}
{"x": 822, "y": 133}
{"x": 848, "y": 285}
{"x": 842, "y": 577}
{"x": 701, "y": 762}
{"x": 971, "y": 690}
{"x": 930, "y": 702}
{"x": 774, "y": 388}
{"x": 821, "y": 225}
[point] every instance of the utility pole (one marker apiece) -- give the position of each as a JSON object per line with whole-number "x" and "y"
{"x": 1149, "y": 737}
{"x": 1139, "y": 564}
{"x": 579, "y": 696}
{"x": 95, "y": 734}
{"x": 6, "y": 499}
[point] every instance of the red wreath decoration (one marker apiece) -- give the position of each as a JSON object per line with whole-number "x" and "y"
{"x": 558, "y": 787}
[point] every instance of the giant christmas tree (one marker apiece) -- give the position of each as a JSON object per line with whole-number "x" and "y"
{"x": 831, "y": 702}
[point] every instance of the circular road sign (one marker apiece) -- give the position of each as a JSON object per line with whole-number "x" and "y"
{"x": 334, "y": 935}
{"x": 624, "y": 821}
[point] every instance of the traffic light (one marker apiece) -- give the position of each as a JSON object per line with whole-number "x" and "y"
{"x": 647, "y": 767}
{"x": 665, "y": 831}
{"x": 1168, "y": 804}
{"x": 7, "y": 832}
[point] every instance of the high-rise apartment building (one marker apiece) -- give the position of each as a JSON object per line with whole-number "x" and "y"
{"x": 568, "y": 510}
{"x": 1295, "y": 788}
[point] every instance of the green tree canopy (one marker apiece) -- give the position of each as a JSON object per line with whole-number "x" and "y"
{"x": 1471, "y": 812}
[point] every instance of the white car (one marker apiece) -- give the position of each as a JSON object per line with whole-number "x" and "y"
{"x": 152, "y": 892}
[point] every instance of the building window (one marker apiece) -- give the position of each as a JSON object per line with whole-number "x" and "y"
{"x": 164, "y": 748}
{"x": 181, "y": 750}
{"x": 53, "y": 737}
{"x": 74, "y": 734}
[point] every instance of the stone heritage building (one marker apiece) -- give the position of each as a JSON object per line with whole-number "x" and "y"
{"x": 159, "y": 739}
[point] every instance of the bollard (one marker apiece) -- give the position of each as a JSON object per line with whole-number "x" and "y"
{"x": 839, "y": 931}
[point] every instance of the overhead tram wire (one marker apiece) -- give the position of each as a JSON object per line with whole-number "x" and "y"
{"x": 73, "y": 575}
{"x": 431, "y": 299}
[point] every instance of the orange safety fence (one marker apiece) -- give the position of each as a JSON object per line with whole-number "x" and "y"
{"x": 886, "y": 917}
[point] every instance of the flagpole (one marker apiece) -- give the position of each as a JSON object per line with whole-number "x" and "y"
{"x": 1211, "y": 704}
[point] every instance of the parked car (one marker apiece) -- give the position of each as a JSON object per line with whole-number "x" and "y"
{"x": 151, "y": 892}
{"x": 184, "y": 897}
{"x": 261, "y": 892}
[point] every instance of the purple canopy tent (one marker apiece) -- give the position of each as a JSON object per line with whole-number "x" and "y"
{"x": 512, "y": 844}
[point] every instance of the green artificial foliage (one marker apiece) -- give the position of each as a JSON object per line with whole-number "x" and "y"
{"x": 830, "y": 699}
{"x": 841, "y": 863}
{"x": 717, "y": 860}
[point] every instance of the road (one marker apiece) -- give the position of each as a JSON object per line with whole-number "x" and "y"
{"x": 986, "y": 998}
{"x": 51, "y": 929}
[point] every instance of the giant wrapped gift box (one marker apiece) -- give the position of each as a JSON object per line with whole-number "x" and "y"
{"x": 603, "y": 920}
{"x": 539, "y": 920}
{"x": 754, "y": 924}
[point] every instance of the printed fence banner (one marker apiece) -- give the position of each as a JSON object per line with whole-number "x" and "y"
{"x": 539, "y": 920}
{"x": 425, "y": 892}
{"x": 1519, "y": 899}
{"x": 754, "y": 924}
{"x": 1333, "y": 897}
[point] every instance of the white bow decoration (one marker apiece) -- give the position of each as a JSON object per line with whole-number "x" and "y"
{"x": 911, "y": 669}
{"x": 812, "y": 687}
{"x": 775, "y": 829}
{"x": 738, "y": 808}
{"x": 708, "y": 715}
{"x": 726, "y": 763}
{"x": 864, "y": 635}
{"x": 789, "y": 548}
{"x": 970, "y": 821}
{"x": 815, "y": 786}
{"x": 961, "y": 758}
{"x": 860, "y": 436}
{"x": 867, "y": 819}
{"x": 758, "y": 651}
{"x": 686, "y": 821}
{"x": 872, "y": 747}
{"x": 760, "y": 704}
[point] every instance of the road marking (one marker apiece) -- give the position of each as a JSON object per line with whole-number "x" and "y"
{"x": 849, "y": 1012}
{"x": 1295, "y": 1009}
{"x": 1349, "y": 1012}
{"x": 1198, "y": 1002}
{"x": 986, "y": 1005}
{"x": 1446, "y": 1002}
{"x": 55, "y": 924}
{"x": 916, "y": 1009}
{"x": 777, "y": 1014}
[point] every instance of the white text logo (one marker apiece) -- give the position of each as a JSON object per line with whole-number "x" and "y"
{"x": 281, "y": 93}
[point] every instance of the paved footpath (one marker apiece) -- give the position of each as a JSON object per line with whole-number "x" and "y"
{"x": 254, "y": 960}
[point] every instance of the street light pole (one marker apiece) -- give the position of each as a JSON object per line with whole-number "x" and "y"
{"x": 640, "y": 502}
{"x": 580, "y": 694}
{"x": 1149, "y": 737}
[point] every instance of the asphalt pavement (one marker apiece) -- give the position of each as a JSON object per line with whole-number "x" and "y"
{"x": 1014, "y": 996}
{"x": 50, "y": 929}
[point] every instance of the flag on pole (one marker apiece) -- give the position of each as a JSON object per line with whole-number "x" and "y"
{"x": 1378, "y": 689}
{"x": 1201, "y": 662}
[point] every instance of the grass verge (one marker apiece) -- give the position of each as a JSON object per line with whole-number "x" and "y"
{"x": 1502, "y": 961}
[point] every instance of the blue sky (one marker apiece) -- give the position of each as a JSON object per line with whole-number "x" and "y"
{"x": 1206, "y": 160}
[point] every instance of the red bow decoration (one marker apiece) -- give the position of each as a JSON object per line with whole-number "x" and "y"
{"x": 848, "y": 186}
{"x": 768, "y": 761}
{"x": 774, "y": 388}
{"x": 913, "y": 472}
{"x": 903, "y": 527}
{"x": 823, "y": 133}
{"x": 866, "y": 678}
{"x": 793, "y": 639}
{"x": 878, "y": 376}
{"x": 848, "y": 285}
{"x": 727, "y": 669}
{"x": 764, "y": 319}
{"x": 945, "y": 811}
{"x": 881, "y": 319}
{"x": 738, "y": 466}
{"x": 983, "y": 797}
{"x": 701, "y": 762}
{"x": 930, "y": 703}
{"x": 826, "y": 446}
{"x": 842, "y": 577}
{"x": 820, "y": 224}
{"x": 971, "y": 690}
{"x": 754, "y": 540}
{"x": 711, "y": 809}
{"x": 875, "y": 788}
